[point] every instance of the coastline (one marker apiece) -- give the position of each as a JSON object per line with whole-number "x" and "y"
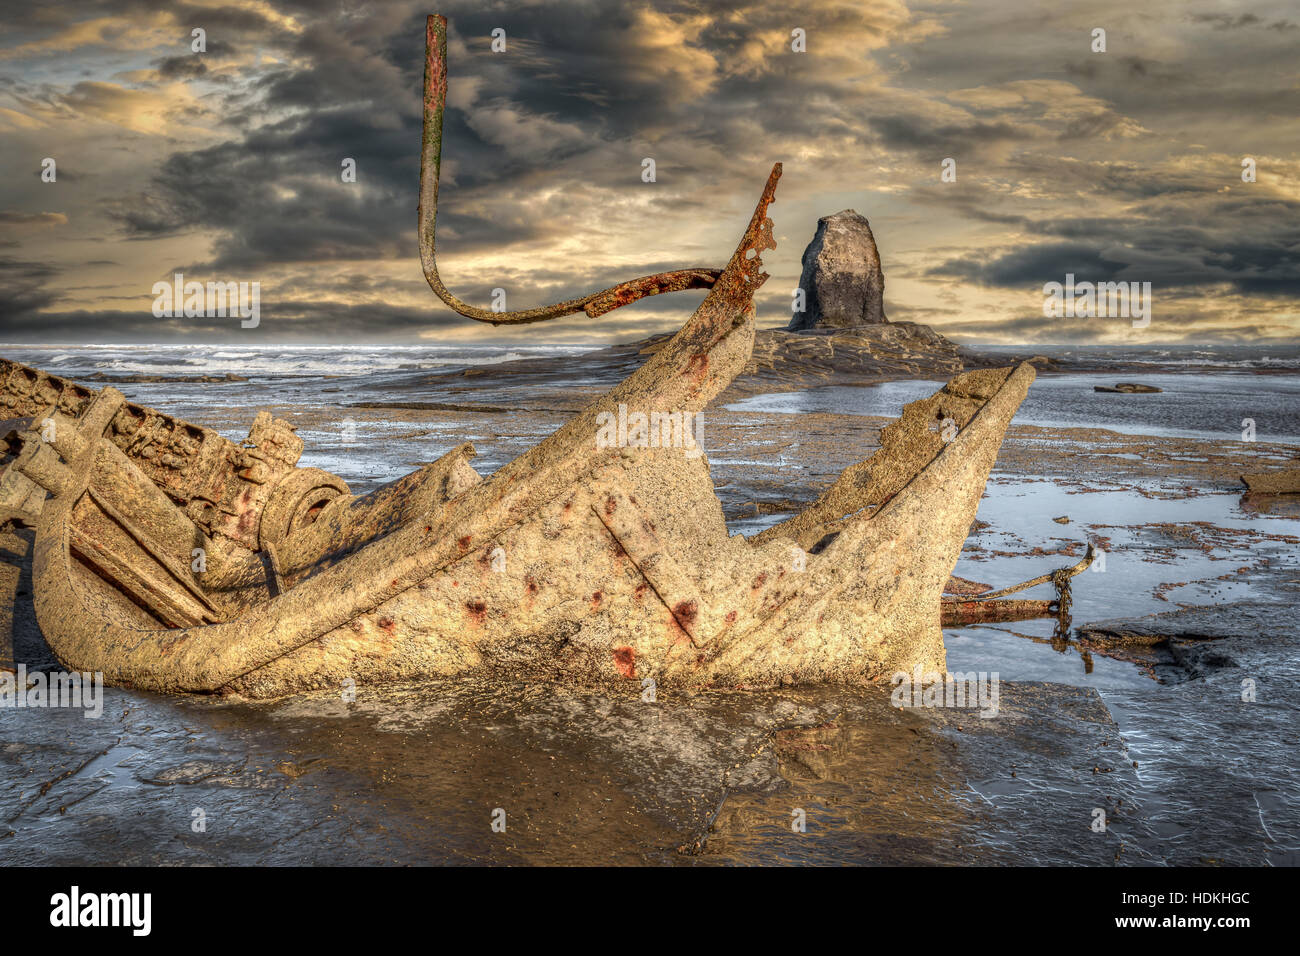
{"x": 710, "y": 777}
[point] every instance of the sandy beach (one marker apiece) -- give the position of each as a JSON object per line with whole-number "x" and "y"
{"x": 1155, "y": 733}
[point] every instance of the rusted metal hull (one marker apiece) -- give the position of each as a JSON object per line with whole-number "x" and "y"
{"x": 585, "y": 564}
{"x": 959, "y": 613}
{"x": 575, "y": 561}
{"x": 168, "y": 558}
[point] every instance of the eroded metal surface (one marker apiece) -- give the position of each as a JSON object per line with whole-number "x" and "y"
{"x": 168, "y": 558}
{"x": 593, "y": 304}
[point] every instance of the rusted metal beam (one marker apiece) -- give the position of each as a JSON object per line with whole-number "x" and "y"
{"x": 960, "y": 613}
{"x": 1060, "y": 577}
{"x": 956, "y": 611}
{"x": 593, "y": 304}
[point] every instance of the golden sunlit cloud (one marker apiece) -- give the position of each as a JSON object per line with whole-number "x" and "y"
{"x": 227, "y": 161}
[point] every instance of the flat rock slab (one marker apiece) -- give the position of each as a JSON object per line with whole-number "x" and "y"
{"x": 1285, "y": 481}
{"x": 1221, "y": 749}
{"x": 781, "y": 361}
{"x": 881, "y": 785}
{"x": 1202, "y": 640}
{"x": 1251, "y": 620}
{"x": 1128, "y": 388}
{"x": 414, "y": 775}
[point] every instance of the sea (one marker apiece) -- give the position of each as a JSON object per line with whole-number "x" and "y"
{"x": 1206, "y": 390}
{"x": 402, "y": 777}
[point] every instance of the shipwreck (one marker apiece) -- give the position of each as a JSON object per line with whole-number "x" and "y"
{"x": 168, "y": 558}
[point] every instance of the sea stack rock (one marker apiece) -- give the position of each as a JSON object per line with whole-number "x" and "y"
{"x": 842, "y": 282}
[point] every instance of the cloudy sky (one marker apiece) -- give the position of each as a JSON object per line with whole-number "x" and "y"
{"x": 225, "y": 165}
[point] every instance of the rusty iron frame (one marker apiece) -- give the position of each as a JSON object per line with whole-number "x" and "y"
{"x": 957, "y": 611}
{"x": 593, "y": 304}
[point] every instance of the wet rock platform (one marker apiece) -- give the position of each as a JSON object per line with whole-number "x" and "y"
{"x": 414, "y": 775}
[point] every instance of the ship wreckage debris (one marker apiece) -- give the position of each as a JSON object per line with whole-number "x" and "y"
{"x": 172, "y": 559}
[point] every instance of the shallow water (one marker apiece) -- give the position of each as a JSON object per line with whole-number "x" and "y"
{"x": 272, "y": 360}
{"x": 1141, "y": 560}
{"x": 413, "y": 774}
{"x": 1191, "y": 405}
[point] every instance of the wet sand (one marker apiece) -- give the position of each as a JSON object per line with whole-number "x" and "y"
{"x": 1158, "y": 738}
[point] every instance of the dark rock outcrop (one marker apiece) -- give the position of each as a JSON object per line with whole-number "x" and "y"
{"x": 1128, "y": 388}
{"x": 781, "y": 361}
{"x": 1283, "y": 482}
{"x": 842, "y": 282}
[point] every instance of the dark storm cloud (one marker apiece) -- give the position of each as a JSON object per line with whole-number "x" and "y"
{"x": 23, "y": 289}
{"x": 1070, "y": 162}
{"x": 1094, "y": 124}
{"x": 289, "y": 320}
{"x": 1252, "y": 250}
{"x": 1187, "y": 227}
{"x": 582, "y": 67}
{"x": 275, "y": 194}
{"x": 922, "y": 135}
{"x": 26, "y": 19}
{"x": 181, "y": 68}
{"x": 278, "y": 196}
{"x": 1225, "y": 21}
{"x": 1033, "y": 265}
{"x": 217, "y": 19}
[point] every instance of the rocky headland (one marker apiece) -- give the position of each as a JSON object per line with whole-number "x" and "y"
{"x": 841, "y": 336}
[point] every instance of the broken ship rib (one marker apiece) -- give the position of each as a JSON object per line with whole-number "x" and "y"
{"x": 594, "y": 303}
{"x": 589, "y": 564}
{"x": 616, "y": 562}
{"x": 171, "y": 559}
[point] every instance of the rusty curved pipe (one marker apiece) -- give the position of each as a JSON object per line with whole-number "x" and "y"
{"x": 594, "y": 304}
